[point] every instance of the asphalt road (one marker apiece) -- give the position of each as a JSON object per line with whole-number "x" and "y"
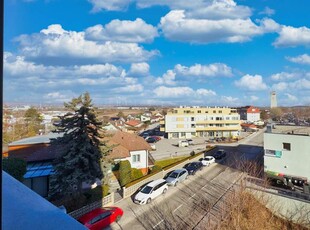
{"x": 182, "y": 207}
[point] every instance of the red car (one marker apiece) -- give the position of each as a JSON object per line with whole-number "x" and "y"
{"x": 156, "y": 137}
{"x": 100, "y": 218}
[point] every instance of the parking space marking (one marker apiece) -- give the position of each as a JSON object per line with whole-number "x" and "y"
{"x": 158, "y": 224}
{"x": 178, "y": 207}
{"x": 193, "y": 196}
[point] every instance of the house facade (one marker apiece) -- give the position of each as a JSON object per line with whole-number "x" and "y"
{"x": 249, "y": 113}
{"x": 285, "y": 148}
{"x": 128, "y": 146}
{"x": 187, "y": 122}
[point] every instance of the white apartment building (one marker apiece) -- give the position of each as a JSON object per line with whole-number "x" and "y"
{"x": 187, "y": 122}
{"x": 287, "y": 152}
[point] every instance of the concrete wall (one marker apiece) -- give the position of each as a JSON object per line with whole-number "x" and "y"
{"x": 295, "y": 162}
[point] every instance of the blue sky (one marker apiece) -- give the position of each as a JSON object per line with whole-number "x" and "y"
{"x": 157, "y": 52}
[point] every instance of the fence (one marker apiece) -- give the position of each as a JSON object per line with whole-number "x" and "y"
{"x": 105, "y": 201}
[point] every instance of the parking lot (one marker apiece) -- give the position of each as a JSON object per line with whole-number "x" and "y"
{"x": 182, "y": 206}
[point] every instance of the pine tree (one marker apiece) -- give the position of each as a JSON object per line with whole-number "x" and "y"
{"x": 79, "y": 149}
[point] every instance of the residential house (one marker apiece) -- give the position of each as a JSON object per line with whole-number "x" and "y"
{"x": 131, "y": 147}
{"x": 249, "y": 113}
{"x": 145, "y": 118}
{"x": 38, "y": 154}
{"x": 133, "y": 124}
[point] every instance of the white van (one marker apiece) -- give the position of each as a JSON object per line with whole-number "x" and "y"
{"x": 151, "y": 191}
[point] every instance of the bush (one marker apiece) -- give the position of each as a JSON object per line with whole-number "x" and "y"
{"x": 124, "y": 172}
{"x": 136, "y": 174}
{"x": 156, "y": 168}
{"x": 192, "y": 153}
{"x": 15, "y": 167}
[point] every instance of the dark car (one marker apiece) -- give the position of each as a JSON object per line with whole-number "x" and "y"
{"x": 193, "y": 167}
{"x": 100, "y": 218}
{"x": 219, "y": 154}
{"x": 151, "y": 140}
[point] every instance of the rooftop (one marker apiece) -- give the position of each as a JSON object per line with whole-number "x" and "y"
{"x": 36, "y": 140}
{"x": 291, "y": 129}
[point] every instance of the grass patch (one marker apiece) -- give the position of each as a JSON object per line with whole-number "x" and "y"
{"x": 167, "y": 162}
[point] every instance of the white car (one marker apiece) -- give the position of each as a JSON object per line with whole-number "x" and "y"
{"x": 151, "y": 191}
{"x": 206, "y": 161}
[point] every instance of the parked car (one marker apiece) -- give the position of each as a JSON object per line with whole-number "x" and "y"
{"x": 150, "y": 191}
{"x": 100, "y": 218}
{"x": 206, "y": 161}
{"x": 151, "y": 140}
{"x": 221, "y": 153}
{"x": 190, "y": 141}
{"x": 156, "y": 137}
{"x": 183, "y": 143}
{"x": 193, "y": 167}
{"x": 176, "y": 176}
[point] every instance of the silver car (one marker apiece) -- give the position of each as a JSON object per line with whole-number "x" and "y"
{"x": 176, "y": 176}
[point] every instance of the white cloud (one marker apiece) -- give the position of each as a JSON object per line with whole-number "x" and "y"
{"x": 173, "y": 92}
{"x": 268, "y": 11}
{"x": 205, "y": 92}
{"x": 111, "y": 5}
{"x": 176, "y": 26}
{"x": 129, "y": 89}
{"x": 254, "y": 98}
{"x": 229, "y": 99}
{"x": 252, "y": 83}
{"x": 301, "y": 59}
{"x": 57, "y": 43}
{"x": 291, "y": 97}
{"x": 214, "y": 9}
{"x": 301, "y": 84}
{"x": 281, "y": 86}
{"x": 292, "y": 37}
{"x": 123, "y": 31}
{"x": 182, "y": 92}
{"x": 140, "y": 69}
{"x": 17, "y": 66}
{"x": 283, "y": 76}
{"x": 212, "y": 70}
{"x": 59, "y": 97}
{"x": 168, "y": 78}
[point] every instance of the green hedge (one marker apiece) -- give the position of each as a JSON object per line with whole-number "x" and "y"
{"x": 124, "y": 172}
{"x": 138, "y": 180}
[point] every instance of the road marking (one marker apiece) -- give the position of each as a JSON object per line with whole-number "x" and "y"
{"x": 192, "y": 196}
{"x": 178, "y": 207}
{"x": 158, "y": 223}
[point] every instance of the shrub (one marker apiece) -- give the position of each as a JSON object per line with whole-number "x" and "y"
{"x": 136, "y": 174}
{"x": 156, "y": 168}
{"x": 124, "y": 172}
{"x": 192, "y": 153}
{"x": 15, "y": 167}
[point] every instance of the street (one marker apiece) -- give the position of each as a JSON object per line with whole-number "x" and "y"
{"x": 182, "y": 206}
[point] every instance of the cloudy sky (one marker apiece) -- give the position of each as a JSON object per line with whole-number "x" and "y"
{"x": 157, "y": 52}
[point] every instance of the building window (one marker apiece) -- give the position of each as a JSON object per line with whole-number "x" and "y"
{"x": 175, "y": 135}
{"x": 192, "y": 118}
{"x": 287, "y": 146}
{"x": 182, "y": 134}
{"x": 135, "y": 158}
{"x": 214, "y": 111}
{"x": 199, "y": 111}
{"x": 193, "y": 126}
{"x": 220, "y": 111}
{"x": 206, "y": 112}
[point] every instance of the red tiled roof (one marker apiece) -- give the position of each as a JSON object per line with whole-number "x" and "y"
{"x": 124, "y": 143}
{"x": 252, "y": 109}
{"x": 133, "y": 123}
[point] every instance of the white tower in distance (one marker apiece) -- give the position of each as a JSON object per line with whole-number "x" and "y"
{"x": 273, "y": 99}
